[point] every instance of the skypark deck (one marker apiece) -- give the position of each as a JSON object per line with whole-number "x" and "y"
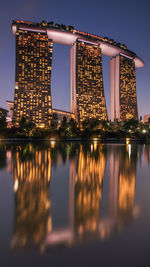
{"x": 68, "y": 35}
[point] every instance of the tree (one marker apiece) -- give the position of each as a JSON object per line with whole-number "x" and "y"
{"x": 94, "y": 123}
{"x": 86, "y": 127}
{"x": 64, "y": 123}
{"x": 50, "y": 24}
{"x": 44, "y": 23}
{"x": 26, "y": 126}
{"x": 63, "y": 26}
{"x": 57, "y": 26}
{"x": 29, "y": 127}
{"x": 64, "y": 129}
{"x": 86, "y": 124}
{"x": 22, "y": 123}
{"x": 72, "y": 125}
{"x": 3, "y": 123}
{"x": 90, "y": 125}
{"x": 55, "y": 116}
{"x": 54, "y": 122}
{"x": 131, "y": 125}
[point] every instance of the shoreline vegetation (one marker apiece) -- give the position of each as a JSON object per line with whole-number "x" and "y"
{"x": 90, "y": 129}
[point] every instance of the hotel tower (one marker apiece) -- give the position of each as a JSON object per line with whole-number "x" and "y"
{"x": 87, "y": 92}
{"x": 32, "y": 98}
{"x": 123, "y": 88}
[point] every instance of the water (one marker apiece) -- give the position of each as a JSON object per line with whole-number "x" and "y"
{"x": 74, "y": 204}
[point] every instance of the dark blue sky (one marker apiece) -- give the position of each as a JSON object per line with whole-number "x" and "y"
{"x": 126, "y": 22}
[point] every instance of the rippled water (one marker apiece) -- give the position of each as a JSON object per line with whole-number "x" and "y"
{"x": 74, "y": 204}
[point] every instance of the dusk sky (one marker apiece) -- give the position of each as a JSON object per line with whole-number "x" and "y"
{"x": 127, "y": 22}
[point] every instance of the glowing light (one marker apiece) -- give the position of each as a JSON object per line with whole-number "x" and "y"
{"x": 95, "y": 139}
{"x": 129, "y": 150}
{"x": 53, "y": 139}
{"x": 144, "y": 131}
{"x": 52, "y": 142}
{"x": 42, "y": 125}
{"x": 127, "y": 141}
{"x": 16, "y": 184}
{"x": 95, "y": 143}
{"x": 128, "y": 146}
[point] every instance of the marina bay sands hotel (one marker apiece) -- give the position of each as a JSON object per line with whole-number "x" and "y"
{"x": 34, "y": 49}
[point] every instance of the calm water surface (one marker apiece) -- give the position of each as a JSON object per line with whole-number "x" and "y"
{"x": 73, "y": 204}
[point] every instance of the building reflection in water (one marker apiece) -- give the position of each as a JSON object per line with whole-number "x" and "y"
{"x": 3, "y": 162}
{"x": 89, "y": 177}
{"x": 32, "y": 173}
{"x": 32, "y": 176}
{"x": 126, "y": 185}
{"x": 121, "y": 192}
{"x": 147, "y": 154}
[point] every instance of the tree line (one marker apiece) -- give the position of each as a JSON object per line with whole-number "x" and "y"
{"x": 71, "y": 129}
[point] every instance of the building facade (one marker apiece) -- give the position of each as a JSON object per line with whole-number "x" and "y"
{"x": 10, "y": 108}
{"x": 61, "y": 114}
{"x": 87, "y": 92}
{"x": 32, "y": 98}
{"x": 123, "y": 88}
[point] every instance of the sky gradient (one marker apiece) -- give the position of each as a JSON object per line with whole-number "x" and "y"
{"x": 126, "y": 22}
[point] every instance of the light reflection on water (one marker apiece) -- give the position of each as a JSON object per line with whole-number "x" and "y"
{"x": 100, "y": 194}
